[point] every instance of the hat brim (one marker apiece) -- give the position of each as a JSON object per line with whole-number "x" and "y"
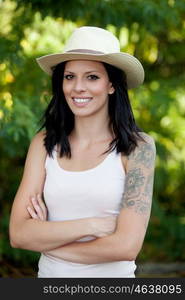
{"x": 129, "y": 64}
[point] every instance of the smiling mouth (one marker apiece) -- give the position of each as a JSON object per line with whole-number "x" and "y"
{"x": 81, "y": 100}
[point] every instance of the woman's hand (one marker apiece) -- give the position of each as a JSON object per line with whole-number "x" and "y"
{"x": 37, "y": 209}
{"x": 103, "y": 226}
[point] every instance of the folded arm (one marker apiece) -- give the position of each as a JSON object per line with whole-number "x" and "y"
{"x": 126, "y": 242}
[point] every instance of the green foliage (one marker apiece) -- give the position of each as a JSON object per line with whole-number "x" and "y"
{"x": 153, "y": 31}
{"x": 165, "y": 237}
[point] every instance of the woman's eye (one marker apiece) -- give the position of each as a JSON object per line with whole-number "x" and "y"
{"x": 93, "y": 77}
{"x": 68, "y": 76}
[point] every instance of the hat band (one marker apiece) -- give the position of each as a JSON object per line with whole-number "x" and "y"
{"x": 86, "y": 51}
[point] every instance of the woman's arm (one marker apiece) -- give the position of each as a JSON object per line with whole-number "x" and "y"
{"x": 126, "y": 242}
{"x": 36, "y": 234}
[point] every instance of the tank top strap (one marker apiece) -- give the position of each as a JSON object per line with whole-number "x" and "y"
{"x": 115, "y": 162}
{"x": 50, "y": 159}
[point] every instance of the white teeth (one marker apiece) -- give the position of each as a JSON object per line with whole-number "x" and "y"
{"x": 79, "y": 100}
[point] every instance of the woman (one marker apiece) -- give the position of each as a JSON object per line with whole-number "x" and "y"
{"x": 91, "y": 162}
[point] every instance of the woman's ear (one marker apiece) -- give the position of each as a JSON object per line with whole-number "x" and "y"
{"x": 111, "y": 89}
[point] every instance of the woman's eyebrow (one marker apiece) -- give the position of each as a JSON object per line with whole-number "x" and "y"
{"x": 84, "y": 73}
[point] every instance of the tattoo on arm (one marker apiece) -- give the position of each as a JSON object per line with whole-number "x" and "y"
{"x": 139, "y": 179}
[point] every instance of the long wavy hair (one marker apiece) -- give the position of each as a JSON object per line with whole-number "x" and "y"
{"x": 58, "y": 119}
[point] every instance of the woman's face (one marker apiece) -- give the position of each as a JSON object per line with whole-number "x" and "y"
{"x": 86, "y": 87}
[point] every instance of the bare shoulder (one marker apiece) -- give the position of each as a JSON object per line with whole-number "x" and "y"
{"x": 36, "y": 154}
{"x": 144, "y": 153}
{"x": 145, "y": 149}
{"x": 34, "y": 168}
{"x": 38, "y": 138}
{"x": 148, "y": 139}
{"x": 143, "y": 156}
{"x": 37, "y": 144}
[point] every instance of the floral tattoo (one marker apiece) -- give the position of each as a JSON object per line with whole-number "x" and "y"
{"x": 139, "y": 178}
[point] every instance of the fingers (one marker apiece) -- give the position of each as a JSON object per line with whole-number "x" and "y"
{"x": 32, "y": 213}
{"x": 42, "y": 206}
{"x": 37, "y": 209}
{"x": 105, "y": 226}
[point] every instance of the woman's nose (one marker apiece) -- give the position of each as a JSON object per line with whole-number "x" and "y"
{"x": 79, "y": 85}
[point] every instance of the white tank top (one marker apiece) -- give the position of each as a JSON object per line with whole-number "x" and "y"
{"x": 69, "y": 195}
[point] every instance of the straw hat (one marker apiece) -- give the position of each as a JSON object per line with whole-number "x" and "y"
{"x": 94, "y": 43}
